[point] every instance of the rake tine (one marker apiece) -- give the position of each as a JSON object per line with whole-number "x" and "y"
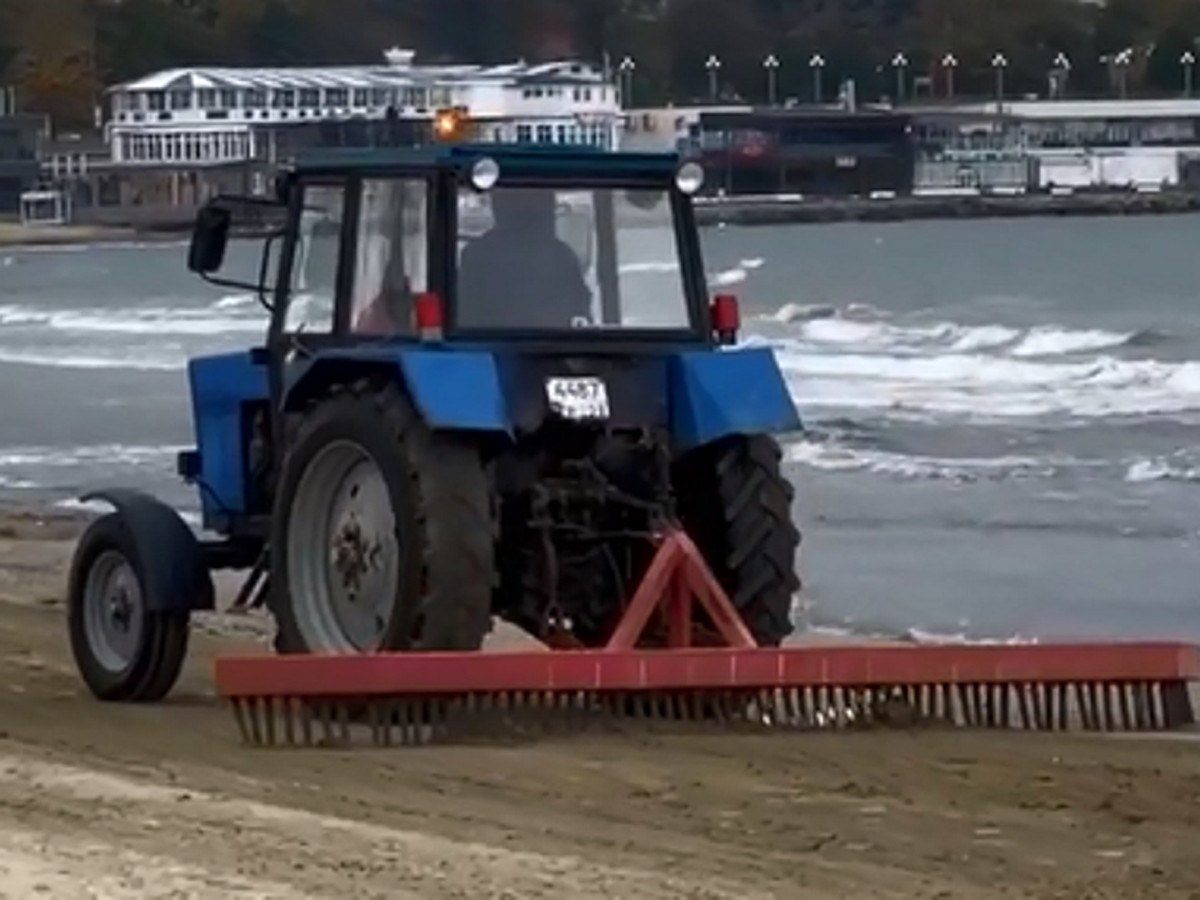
{"x": 239, "y": 716}
{"x": 287, "y": 706}
{"x": 268, "y": 708}
{"x": 255, "y": 711}
{"x": 1106, "y": 706}
{"x": 306, "y": 722}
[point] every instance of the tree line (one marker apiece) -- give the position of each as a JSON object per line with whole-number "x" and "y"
{"x": 61, "y": 53}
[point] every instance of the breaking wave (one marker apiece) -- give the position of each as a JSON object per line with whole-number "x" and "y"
{"x": 833, "y": 361}
{"x": 138, "y": 320}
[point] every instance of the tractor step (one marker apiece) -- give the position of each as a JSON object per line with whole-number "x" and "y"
{"x": 419, "y": 698}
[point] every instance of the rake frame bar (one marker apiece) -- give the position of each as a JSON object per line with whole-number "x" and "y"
{"x": 420, "y": 697}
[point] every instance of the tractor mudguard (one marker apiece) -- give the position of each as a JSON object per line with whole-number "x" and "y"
{"x": 702, "y": 395}
{"x": 452, "y": 389}
{"x": 170, "y": 560}
{"x": 716, "y": 394}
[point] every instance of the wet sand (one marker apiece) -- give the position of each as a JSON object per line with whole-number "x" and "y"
{"x": 101, "y": 800}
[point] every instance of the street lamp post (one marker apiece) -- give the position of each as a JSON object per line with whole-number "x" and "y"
{"x": 1188, "y": 61}
{"x": 900, "y": 64}
{"x": 713, "y": 65}
{"x": 626, "y": 67}
{"x": 1122, "y": 61}
{"x": 999, "y": 64}
{"x": 1062, "y": 64}
{"x": 950, "y": 63}
{"x": 817, "y": 64}
{"x": 771, "y": 64}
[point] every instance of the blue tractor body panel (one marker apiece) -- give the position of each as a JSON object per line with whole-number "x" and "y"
{"x": 455, "y": 389}
{"x": 698, "y": 395}
{"x": 716, "y": 394}
{"x": 222, "y": 387}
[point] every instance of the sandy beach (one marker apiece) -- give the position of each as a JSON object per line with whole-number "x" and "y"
{"x": 107, "y": 801}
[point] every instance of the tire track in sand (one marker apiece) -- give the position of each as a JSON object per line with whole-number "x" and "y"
{"x": 92, "y": 834}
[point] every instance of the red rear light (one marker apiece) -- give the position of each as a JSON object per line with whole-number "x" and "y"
{"x": 428, "y": 315}
{"x": 725, "y": 318}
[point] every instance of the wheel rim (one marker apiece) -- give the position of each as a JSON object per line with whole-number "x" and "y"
{"x": 343, "y": 555}
{"x": 114, "y": 611}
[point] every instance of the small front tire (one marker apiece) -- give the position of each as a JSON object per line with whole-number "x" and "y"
{"x": 124, "y": 650}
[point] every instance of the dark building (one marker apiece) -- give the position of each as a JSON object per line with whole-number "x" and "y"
{"x": 19, "y": 138}
{"x": 818, "y": 153}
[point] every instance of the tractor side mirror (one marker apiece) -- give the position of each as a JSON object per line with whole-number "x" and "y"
{"x": 210, "y": 237}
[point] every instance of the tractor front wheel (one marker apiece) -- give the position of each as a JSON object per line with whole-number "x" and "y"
{"x": 125, "y": 650}
{"x": 736, "y": 504}
{"x": 382, "y": 535}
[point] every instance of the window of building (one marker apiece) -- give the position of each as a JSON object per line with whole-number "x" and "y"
{"x": 206, "y": 98}
{"x": 181, "y": 100}
{"x": 545, "y": 134}
{"x": 284, "y": 99}
{"x": 310, "y": 98}
{"x": 391, "y": 265}
{"x": 524, "y": 134}
{"x": 256, "y": 98}
{"x": 229, "y": 99}
{"x": 381, "y": 97}
{"x": 337, "y": 97}
{"x": 361, "y": 97}
{"x": 315, "y": 270}
{"x": 156, "y": 101}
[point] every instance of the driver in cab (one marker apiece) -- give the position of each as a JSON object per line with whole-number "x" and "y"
{"x": 520, "y": 274}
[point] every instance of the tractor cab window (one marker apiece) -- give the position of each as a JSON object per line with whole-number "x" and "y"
{"x": 533, "y": 258}
{"x": 392, "y": 256}
{"x": 315, "y": 269}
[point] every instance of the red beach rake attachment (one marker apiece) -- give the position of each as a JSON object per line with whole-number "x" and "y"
{"x": 418, "y": 698}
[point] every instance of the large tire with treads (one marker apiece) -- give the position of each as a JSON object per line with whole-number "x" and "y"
{"x": 365, "y": 482}
{"x": 736, "y": 504}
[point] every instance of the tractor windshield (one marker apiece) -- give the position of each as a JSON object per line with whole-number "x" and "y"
{"x": 534, "y": 258}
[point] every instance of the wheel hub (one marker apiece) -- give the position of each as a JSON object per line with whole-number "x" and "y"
{"x": 343, "y": 551}
{"x": 120, "y": 610}
{"x": 355, "y": 555}
{"x": 113, "y": 610}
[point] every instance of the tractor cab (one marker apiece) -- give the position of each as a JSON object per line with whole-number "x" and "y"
{"x": 482, "y": 242}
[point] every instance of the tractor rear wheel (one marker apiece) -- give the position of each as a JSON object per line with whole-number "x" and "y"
{"x": 736, "y": 504}
{"x": 382, "y": 534}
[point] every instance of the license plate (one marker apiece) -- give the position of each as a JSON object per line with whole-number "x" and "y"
{"x": 578, "y": 399}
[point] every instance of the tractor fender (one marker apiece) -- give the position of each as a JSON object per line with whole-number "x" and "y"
{"x": 452, "y": 389}
{"x": 169, "y": 561}
{"x": 718, "y": 394}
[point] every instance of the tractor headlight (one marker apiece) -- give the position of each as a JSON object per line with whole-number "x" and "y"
{"x": 689, "y": 178}
{"x": 485, "y": 173}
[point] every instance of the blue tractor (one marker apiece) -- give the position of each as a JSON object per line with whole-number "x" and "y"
{"x": 492, "y": 375}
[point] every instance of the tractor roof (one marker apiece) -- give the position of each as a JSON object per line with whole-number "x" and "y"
{"x": 568, "y": 163}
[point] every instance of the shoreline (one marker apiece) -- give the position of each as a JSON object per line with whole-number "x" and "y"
{"x": 744, "y": 210}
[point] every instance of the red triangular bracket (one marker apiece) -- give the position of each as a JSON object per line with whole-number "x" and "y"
{"x": 676, "y": 580}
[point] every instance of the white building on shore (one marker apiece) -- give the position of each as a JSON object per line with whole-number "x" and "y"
{"x": 1075, "y": 144}
{"x": 198, "y": 117}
